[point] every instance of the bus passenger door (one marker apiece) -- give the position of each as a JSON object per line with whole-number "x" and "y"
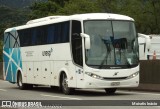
{"x": 77, "y": 53}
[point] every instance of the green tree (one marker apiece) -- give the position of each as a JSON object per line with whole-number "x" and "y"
{"x": 78, "y": 7}
{"x": 43, "y": 9}
{"x": 61, "y": 3}
{"x": 151, "y": 11}
{"x": 62, "y": 7}
{"x": 145, "y": 12}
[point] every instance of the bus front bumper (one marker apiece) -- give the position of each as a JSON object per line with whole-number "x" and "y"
{"x": 90, "y": 82}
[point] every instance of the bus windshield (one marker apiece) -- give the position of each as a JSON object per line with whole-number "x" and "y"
{"x": 114, "y": 44}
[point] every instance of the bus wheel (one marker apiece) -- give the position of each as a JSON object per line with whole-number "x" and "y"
{"x": 21, "y": 85}
{"x": 64, "y": 85}
{"x": 110, "y": 91}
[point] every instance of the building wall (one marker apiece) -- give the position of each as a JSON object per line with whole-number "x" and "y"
{"x": 150, "y": 72}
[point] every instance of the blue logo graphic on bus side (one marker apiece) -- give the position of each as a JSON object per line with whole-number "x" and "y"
{"x": 47, "y": 53}
{"x": 12, "y": 63}
{"x": 12, "y": 56}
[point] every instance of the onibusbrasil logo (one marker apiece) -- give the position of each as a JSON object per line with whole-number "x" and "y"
{"x": 28, "y": 104}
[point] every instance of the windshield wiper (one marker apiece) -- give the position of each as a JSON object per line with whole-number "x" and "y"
{"x": 102, "y": 63}
{"x": 128, "y": 65}
{"x": 107, "y": 44}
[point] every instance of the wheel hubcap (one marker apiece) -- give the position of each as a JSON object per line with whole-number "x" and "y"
{"x": 65, "y": 83}
{"x": 20, "y": 81}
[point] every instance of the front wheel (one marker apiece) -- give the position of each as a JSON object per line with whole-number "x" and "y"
{"x": 110, "y": 91}
{"x": 64, "y": 85}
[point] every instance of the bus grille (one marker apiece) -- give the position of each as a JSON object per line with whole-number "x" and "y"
{"x": 119, "y": 78}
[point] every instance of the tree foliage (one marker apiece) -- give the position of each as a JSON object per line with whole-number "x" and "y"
{"x": 11, "y": 17}
{"x": 145, "y": 12}
{"x": 79, "y": 7}
{"x": 42, "y": 9}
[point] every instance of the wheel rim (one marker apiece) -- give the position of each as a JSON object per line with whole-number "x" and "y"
{"x": 20, "y": 81}
{"x": 65, "y": 83}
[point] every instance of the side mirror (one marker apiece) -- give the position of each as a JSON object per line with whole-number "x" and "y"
{"x": 87, "y": 40}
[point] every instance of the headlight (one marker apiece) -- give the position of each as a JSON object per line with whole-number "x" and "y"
{"x": 133, "y": 75}
{"x": 93, "y": 75}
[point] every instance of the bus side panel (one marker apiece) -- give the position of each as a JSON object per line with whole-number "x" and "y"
{"x": 16, "y": 62}
{"x": 7, "y": 66}
{"x": 11, "y": 55}
{"x": 68, "y": 68}
{"x": 52, "y": 77}
{"x": 12, "y": 60}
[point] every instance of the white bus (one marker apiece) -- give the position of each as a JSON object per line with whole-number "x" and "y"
{"x": 144, "y": 46}
{"x": 94, "y": 50}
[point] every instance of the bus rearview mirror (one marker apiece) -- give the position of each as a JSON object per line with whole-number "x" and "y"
{"x": 87, "y": 40}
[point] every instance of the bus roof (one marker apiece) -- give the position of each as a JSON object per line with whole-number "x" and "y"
{"x": 80, "y": 17}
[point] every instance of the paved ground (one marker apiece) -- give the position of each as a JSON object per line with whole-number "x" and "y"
{"x": 10, "y": 91}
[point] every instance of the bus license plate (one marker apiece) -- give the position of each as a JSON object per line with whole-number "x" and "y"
{"x": 115, "y": 83}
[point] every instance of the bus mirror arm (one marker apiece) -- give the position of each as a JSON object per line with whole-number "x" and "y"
{"x": 87, "y": 40}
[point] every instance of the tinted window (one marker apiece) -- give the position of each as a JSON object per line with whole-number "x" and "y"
{"x": 6, "y": 40}
{"x": 11, "y": 40}
{"x": 51, "y": 34}
{"x": 77, "y": 43}
{"x": 48, "y": 34}
{"x": 65, "y": 32}
{"x": 34, "y": 36}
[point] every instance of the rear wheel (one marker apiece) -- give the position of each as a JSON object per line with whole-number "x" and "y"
{"x": 110, "y": 91}
{"x": 21, "y": 85}
{"x": 64, "y": 85}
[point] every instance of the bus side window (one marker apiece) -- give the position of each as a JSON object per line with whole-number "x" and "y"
{"x": 65, "y": 32}
{"x": 43, "y": 35}
{"x": 77, "y": 43}
{"x": 33, "y": 35}
{"x": 50, "y": 35}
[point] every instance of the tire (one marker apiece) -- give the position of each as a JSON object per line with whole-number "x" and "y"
{"x": 110, "y": 91}
{"x": 21, "y": 85}
{"x": 64, "y": 85}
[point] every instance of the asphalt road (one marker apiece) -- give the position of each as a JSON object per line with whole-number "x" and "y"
{"x": 10, "y": 91}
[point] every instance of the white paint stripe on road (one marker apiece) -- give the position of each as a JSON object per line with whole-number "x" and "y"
{"x": 140, "y": 93}
{"x": 3, "y": 90}
{"x": 61, "y": 97}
